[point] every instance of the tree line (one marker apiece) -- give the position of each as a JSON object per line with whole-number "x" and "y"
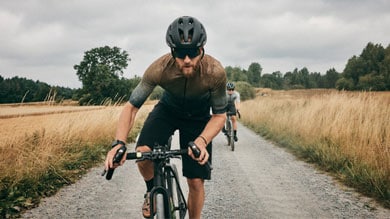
{"x": 18, "y": 90}
{"x": 370, "y": 71}
{"x": 101, "y": 74}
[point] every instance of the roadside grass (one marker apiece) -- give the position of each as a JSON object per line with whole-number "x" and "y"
{"x": 344, "y": 133}
{"x": 41, "y": 154}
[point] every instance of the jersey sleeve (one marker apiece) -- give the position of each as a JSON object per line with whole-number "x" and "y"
{"x": 146, "y": 86}
{"x": 238, "y": 97}
{"x": 141, "y": 93}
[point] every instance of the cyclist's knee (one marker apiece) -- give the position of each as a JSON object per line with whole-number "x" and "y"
{"x": 195, "y": 184}
{"x": 144, "y": 148}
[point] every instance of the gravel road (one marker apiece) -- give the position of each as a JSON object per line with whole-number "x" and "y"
{"x": 257, "y": 180}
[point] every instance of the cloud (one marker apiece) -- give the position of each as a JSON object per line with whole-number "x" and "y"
{"x": 44, "y": 39}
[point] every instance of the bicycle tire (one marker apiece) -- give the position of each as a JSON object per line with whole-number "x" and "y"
{"x": 231, "y": 135}
{"x": 228, "y": 128}
{"x": 176, "y": 200}
{"x": 160, "y": 211}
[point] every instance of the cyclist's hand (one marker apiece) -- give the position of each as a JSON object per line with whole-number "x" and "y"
{"x": 110, "y": 157}
{"x": 204, "y": 155}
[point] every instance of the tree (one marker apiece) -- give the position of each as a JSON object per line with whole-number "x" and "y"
{"x": 331, "y": 77}
{"x": 370, "y": 70}
{"x": 273, "y": 81}
{"x": 372, "y": 82}
{"x": 254, "y": 74}
{"x": 385, "y": 68}
{"x": 16, "y": 90}
{"x": 100, "y": 72}
{"x": 235, "y": 74}
{"x": 344, "y": 84}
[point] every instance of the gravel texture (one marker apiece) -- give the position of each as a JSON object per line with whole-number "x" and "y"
{"x": 257, "y": 180}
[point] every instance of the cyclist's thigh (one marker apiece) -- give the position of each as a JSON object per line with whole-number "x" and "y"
{"x": 157, "y": 128}
{"x": 189, "y": 132}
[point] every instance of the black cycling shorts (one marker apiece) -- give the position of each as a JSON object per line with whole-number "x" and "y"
{"x": 231, "y": 109}
{"x": 162, "y": 123}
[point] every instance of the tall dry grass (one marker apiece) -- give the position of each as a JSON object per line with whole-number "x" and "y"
{"x": 38, "y": 154}
{"x": 344, "y": 132}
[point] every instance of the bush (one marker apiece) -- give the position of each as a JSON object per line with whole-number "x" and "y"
{"x": 344, "y": 84}
{"x": 246, "y": 91}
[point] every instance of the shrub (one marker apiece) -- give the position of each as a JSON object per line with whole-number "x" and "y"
{"x": 246, "y": 91}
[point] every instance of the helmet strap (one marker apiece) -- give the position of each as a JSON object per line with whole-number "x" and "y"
{"x": 202, "y": 53}
{"x": 172, "y": 53}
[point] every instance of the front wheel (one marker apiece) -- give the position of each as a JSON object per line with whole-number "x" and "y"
{"x": 228, "y": 127}
{"x": 177, "y": 202}
{"x": 230, "y": 134}
{"x": 160, "y": 211}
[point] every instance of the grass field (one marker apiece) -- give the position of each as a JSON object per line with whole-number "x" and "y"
{"x": 44, "y": 147}
{"x": 345, "y": 133}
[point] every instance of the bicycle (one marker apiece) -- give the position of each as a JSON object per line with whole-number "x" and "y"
{"x": 166, "y": 197}
{"x": 229, "y": 131}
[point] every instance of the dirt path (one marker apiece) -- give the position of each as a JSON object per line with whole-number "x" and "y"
{"x": 258, "y": 180}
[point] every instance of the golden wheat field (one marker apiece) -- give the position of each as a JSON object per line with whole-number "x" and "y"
{"x": 347, "y": 133}
{"x": 33, "y": 137}
{"x": 44, "y": 147}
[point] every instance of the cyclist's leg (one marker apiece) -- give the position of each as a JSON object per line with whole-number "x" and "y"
{"x": 196, "y": 197}
{"x": 194, "y": 172}
{"x": 229, "y": 109}
{"x": 234, "y": 121}
{"x": 156, "y": 120}
{"x": 159, "y": 120}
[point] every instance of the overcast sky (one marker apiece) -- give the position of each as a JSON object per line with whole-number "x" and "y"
{"x": 43, "y": 39}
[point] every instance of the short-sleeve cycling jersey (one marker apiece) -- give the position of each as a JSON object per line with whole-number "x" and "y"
{"x": 233, "y": 98}
{"x": 192, "y": 96}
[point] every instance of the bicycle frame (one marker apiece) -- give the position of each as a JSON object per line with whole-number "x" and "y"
{"x": 161, "y": 168}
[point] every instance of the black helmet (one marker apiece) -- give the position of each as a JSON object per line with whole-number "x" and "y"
{"x": 180, "y": 31}
{"x": 230, "y": 86}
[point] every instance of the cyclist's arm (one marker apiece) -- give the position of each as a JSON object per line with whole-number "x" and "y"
{"x": 125, "y": 123}
{"x": 218, "y": 117}
{"x": 212, "y": 128}
{"x": 127, "y": 117}
{"x": 237, "y": 102}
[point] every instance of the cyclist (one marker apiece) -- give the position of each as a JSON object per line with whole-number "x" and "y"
{"x": 233, "y": 98}
{"x": 192, "y": 82}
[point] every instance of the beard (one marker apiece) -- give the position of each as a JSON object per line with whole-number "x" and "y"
{"x": 188, "y": 70}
